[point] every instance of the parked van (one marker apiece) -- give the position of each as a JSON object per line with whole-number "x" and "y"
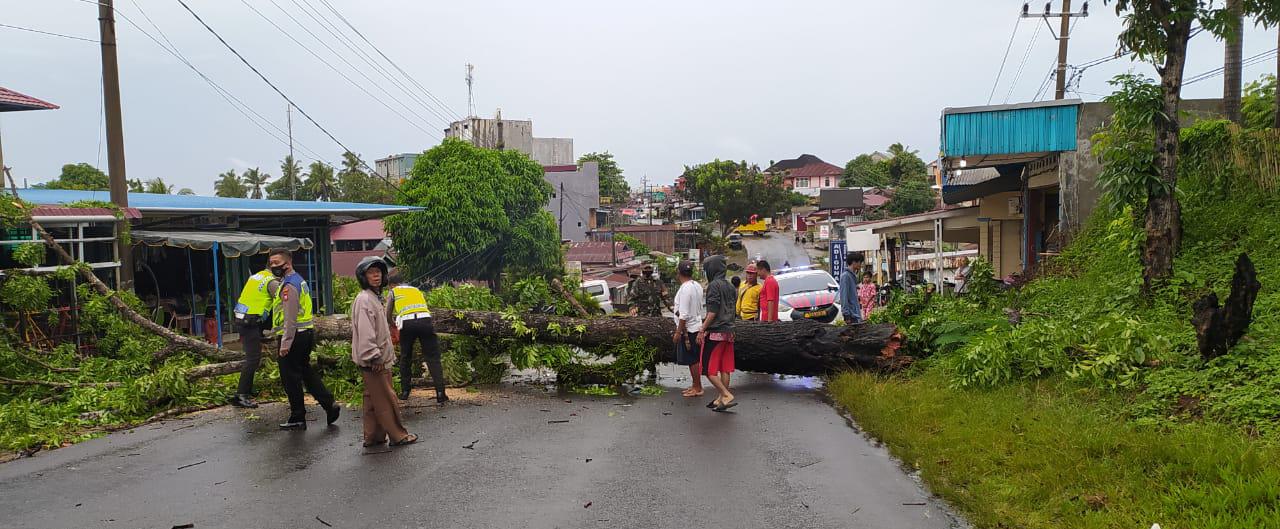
{"x": 599, "y": 289}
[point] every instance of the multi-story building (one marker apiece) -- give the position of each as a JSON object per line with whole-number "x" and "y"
{"x": 396, "y": 166}
{"x": 513, "y": 134}
{"x": 575, "y": 198}
{"x": 807, "y": 174}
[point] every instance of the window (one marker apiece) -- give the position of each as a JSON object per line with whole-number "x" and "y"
{"x": 802, "y": 181}
{"x": 826, "y": 182}
{"x": 348, "y": 246}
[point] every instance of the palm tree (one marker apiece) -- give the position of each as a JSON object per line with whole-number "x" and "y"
{"x": 230, "y": 185}
{"x": 255, "y": 180}
{"x": 186, "y": 191}
{"x": 290, "y": 176}
{"x": 135, "y": 186}
{"x": 321, "y": 183}
{"x": 157, "y": 186}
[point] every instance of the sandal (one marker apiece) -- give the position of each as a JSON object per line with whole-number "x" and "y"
{"x": 375, "y": 443}
{"x": 725, "y": 407}
{"x": 408, "y": 440}
{"x": 713, "y": 404}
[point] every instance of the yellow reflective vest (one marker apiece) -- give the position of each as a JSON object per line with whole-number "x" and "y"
{"x": 304, "y": 305}
{"x": 408, "y": 300}
{"x": 255, "y": 297}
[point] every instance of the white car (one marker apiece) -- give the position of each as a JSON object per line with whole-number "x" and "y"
{"x": 809, "y": 295}
{"x": 599, "y": 289}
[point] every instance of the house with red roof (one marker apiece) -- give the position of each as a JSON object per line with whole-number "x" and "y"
{"x": 807, "y": 174}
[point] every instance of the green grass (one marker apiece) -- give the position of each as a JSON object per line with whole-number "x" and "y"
{"x": 1050, "y": 454}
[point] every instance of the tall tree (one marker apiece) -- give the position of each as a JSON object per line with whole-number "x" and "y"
{"x": 255, "y": 180}
{"x": 865, "y": 171}
{"x": 1232, "y": 66}
{"x": 1267, "y": 14}
{"x": 186, "y": 191}
{"x": 78, "y": 176}
{"x": 911, "y": 197}
{"x": 289, "y": 185}
{"x": 904, "y": 164}
{"x": 612, "y": 183}
{"x": 734, "y": 191}
{"x": 136, "y": 186}
{"x": 156, "y": 185}
{"x": 230, "y": 185}
{"x": 320, "y": 182}
{"x": 1258, "y": 106}
{"x": 1157, "y": 31}
{"x": 355, "y": 185}
{"x": 483, "y": 215}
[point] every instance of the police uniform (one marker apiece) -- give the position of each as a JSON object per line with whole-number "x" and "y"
{"x": 407, "y": 306}
{"x": 293, "y": 324}
{"x": 251, "y": 316}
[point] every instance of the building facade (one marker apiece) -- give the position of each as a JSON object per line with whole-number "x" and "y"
{"x": 575, "y": 198}
{"x": 807, "y": 174}
{"x": 515, "y": 135}
{"x": 396, "y": 166}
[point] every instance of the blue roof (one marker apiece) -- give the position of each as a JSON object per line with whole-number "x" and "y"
{"x": 156, "y": 203}
{"x": 1010, "y": 129}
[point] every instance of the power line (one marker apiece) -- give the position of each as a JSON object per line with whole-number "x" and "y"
{"x": 283, "y": 95}
{"x": 1048, "y": 80}
{"x": 1218, "y": 71}
{"x": 50, "y": 33}
{"x": 332, "y": 67}
{"x": 1026, "y": 55}
{"x": 393, "y": 63}
{"x": 1017, "y": 23}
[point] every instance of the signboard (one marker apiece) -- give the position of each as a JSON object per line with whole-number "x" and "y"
{"x": 837, "y": 258}
{"x": 861, "y": 240}
{"x": 695, "y": 254}
{"x": 824, "y": 231}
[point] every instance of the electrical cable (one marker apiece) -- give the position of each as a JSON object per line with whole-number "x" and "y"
{"x": 282, "y": 94}
{"x": 1026, "y": 55}
{"x": 1266, "y": 55}
{"x": 1003, "y": 61}
{"x": 50, "y": 33}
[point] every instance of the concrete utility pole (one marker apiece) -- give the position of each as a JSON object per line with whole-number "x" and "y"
{"x": 562, "y": 211}
{"x": 293, "y": 185}
{"x": 1063, "y": 37}
{"x": 115, "y": 134}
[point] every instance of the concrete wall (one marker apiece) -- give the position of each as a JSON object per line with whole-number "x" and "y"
{"x": 397, "y": 166}
{"x": 553, "y": 151}
{"x": 581, "y": 199}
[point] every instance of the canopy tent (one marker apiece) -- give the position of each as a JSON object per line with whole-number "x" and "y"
{"x": 232, "y": 243}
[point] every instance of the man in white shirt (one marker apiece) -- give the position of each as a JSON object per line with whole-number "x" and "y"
{"x": 688, "y": 317}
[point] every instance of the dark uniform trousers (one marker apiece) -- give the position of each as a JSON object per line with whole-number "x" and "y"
{"x": 422, "y": 331}
{"x": 250, "y": 330}
{"x": 296, "y": 372}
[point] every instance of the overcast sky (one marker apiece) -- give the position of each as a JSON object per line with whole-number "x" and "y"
{"x": 660, "y": 84}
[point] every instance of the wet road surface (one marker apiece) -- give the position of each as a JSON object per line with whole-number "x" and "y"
{"x": 777, "y": 248}
{"x": 507, "y": 457}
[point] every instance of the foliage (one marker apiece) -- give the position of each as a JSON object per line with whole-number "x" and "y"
{"x": 612, "y": 183}
{"x": 136, "y": 186}
{"x": 905, "y": 165}
{"x": 255, "y": 180}
{"x": 483, "y": 214}
{"x": 1258, "y": 105}
{"x": 1049, "y": 454}
{"x": 633, "y": 243}
{"x": 30, "y": 254}
{"x": 156, "y": 185}
{"x": 1125, "y": 145}
{"x": 289, "y": 185}
{"x": 865, "y": 171}
{"x": 1152, "y": 27}
{"x": 345, "y": 289}
{"x": 320, "y": 183}
{"x": 230, "y": 185}
{"x": 355, "y": 185}
{"x": 734, "y": 191}
{"x": 911, "y": 197}
{"x": 79, "y": 176}
{"x": 26, "y": 293}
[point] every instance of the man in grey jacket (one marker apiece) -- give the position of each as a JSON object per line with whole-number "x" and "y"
{"x": 716, "y": 336}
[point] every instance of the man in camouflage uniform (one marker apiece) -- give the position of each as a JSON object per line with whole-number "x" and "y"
{"x": 647, "y": 296}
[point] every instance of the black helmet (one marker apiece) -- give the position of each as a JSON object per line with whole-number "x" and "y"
{"x": 364, "y": 265}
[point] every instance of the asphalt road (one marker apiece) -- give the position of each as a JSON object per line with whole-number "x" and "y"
{"x": 777, "y": 248}
{"x": 506, "y": 457}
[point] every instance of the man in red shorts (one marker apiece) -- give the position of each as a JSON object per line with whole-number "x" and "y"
{"x": 716, "y": 336}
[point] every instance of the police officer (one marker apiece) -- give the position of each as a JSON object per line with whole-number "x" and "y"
{"x": 251, "y": 317}
{"x": 407, "y": 308}
{"x": 292, "y": 322}
{"x": 646, "y": 294}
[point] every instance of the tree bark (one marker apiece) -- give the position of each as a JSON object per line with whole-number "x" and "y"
{"x": 197, "y": 346}
{"x": 789, "y": 348}
{"x": 1277, "y": 114}
{"x": 1220, "y": 328}
{"x": 1231, "y": 84}
{"x": 1164, "y": 214}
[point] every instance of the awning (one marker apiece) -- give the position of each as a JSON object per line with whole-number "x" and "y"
{"x": 233, "y": 243}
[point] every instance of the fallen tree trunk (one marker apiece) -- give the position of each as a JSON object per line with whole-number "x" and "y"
{"x": 789, "y": 348}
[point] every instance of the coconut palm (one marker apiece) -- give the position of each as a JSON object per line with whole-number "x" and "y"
{"x": 321, "y": 183}
{"x": 157, "y": 186}
{"x": 230, "y": 185}
{"x": 255, "y": 180}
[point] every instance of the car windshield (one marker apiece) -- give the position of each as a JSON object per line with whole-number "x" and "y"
{"x": 788, "y": 285}
{"x": 594, "y": 290}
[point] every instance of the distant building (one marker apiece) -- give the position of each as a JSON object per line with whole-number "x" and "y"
{"x": 396, "y": 166}
{"x": 807, "y": 174}
{"x": 575, "y": 198}
{"x": 515, "y": 135}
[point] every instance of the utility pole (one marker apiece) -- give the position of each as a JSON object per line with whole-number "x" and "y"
{"x": 115, "y": 135}
{"x": 562, "y": 211}
{"x": 293, "y": 184}
{"x": 1063, "y": 37}
{"x": 613, "y": 243}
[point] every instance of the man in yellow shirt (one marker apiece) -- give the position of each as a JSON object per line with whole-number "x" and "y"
{"x": 748, "y": 306}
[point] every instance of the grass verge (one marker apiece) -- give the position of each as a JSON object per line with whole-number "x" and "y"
{"x": 1048, "y": 454}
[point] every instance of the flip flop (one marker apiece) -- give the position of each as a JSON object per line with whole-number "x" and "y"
{"x": 724, "y": 407}
{"x": 712, "y": 404}
{"x": 408, "y": 439}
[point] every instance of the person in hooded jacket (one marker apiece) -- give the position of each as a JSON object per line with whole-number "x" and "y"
{"x": 716, "y": 336}
{"x": 372, "y": 351}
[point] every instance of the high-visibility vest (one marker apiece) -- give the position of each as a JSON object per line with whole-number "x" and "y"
{"x": 408, "y": 300}
{"x": 255, "y": 298}
{"x": 304, "y": 304}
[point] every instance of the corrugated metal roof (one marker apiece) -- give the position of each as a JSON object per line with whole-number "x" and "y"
{"x": 819, "y": 168}
{"x": 794, "y": 163}
{"x": 11, "y": 101}
{"x": 1009, "y": 131}
{"x": 58, "y": 211}
{"x": 967, "y": 177}
{"x": 151, "y": 202}
{"x": 357, "y": 231}
{"x": 597, "y": 252}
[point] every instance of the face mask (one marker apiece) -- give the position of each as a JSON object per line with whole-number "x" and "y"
{"x": 277, "y": 271}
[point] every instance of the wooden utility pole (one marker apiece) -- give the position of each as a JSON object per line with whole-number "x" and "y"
{"x": 1063, "y": 38}
{"x": 115, "y": 135}
{"x": 1232, "y": 66}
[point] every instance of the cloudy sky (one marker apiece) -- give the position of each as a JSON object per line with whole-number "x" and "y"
{"x": 660, "y": 84}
